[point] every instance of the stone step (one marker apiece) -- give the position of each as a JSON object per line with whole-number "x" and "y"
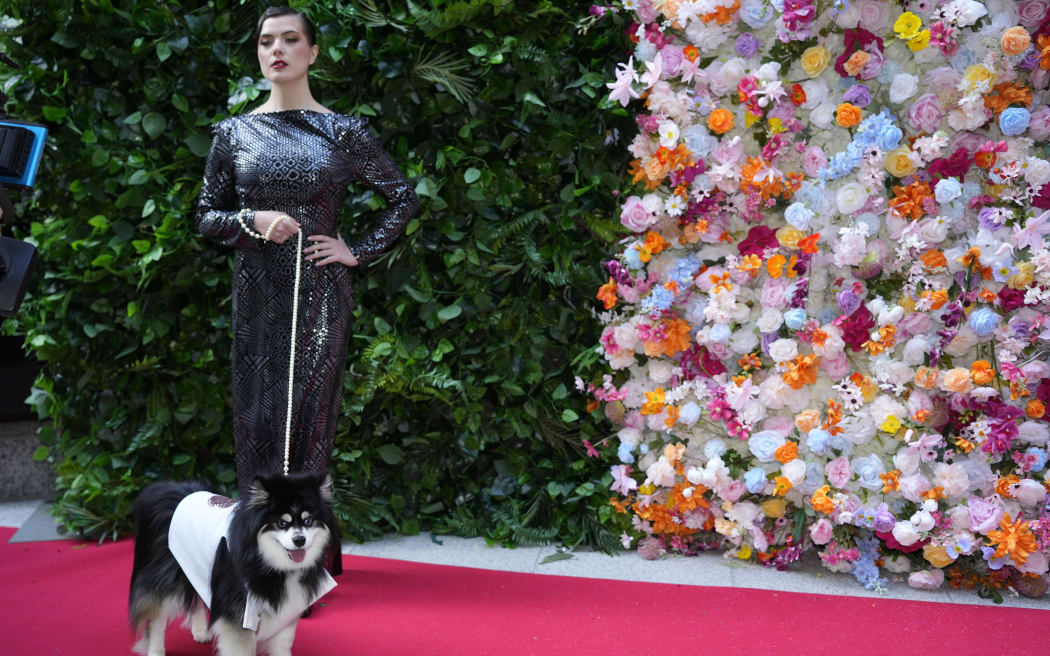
{"x": 20, "y": 476}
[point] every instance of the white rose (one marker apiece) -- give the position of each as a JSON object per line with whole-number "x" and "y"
{"x": 897, "y": 564}
{"x": 770, "y": 321}
{"x": 654, "y": 203}
{"x": 953, "y": 478}
{"x": 922, "y": 521}
{"x": 728, "y": 76}
{"x": 773, "y": 392}
{"x": 905, "y": 533}
{"x": 631, "y": 436}
{"x": 660, "y": 371}
{"x": 904, "y": 86}
{"x": 743, "y": 341}
{"x": 753, "y": 412}
{"x": 660, "y": 473}
{"x": 626, "y": 337}
{"x": 822, "y": 115}
{"x": 851, "y": 197}
{"x": 1034, "y": 432}
{"x": 689, "y": 414}
{"x": 783, "y": 350}
{"x": 1029, "y": 492}
{"x": 907, "y": 461}
{"x": 794, "y": 471}
{"x": 1037, "y": 173}
{"x": 883, "y": 406}
{"x": 947, "y": 190}
{"x": 969, "y": 12}
{"x": 913, "y": 487}
{"x": 816, "y": 93}
{"x": 933, "y": 229}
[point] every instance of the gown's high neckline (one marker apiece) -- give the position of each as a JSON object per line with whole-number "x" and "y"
{"x": 288, "y": 111}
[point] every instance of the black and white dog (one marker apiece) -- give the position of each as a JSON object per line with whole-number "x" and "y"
{"x": 256, "y": 565}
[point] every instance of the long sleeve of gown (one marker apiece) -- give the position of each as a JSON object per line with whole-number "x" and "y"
{"x": 373, "y": 167}
{"x": 218, "y": 205}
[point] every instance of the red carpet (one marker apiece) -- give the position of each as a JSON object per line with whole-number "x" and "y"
{"x": 70, "y": 598}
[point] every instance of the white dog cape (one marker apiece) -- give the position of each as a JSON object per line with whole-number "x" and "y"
{"x": 200, "y": 521}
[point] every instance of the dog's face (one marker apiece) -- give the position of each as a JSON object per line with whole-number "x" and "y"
{"x": 294, "y": 529}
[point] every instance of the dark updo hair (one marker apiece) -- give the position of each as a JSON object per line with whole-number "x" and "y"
{"x": 272, "y": 12}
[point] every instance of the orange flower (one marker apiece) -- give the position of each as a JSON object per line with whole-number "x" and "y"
{"x": 908, "y": 201}
{"x": 1002, "y": 486}
{"x": 722, "y": 15}
{"x": 856, "y": 62}
{"x": 653, "y": 245}
{"x": 802, "y": 371}
{"x": 677, "y": 340}
{"x": 691, "y": 52}
{"x": 787, "y": 452}
{"x": 775, "y": 265}
{"x": 970, "y": 257}
{"x": 936, "y": 297}
{"x": 749, "y": 362}
{"x": 1014, "y": 539}
{"x": 934, "y": 259}
{"x": 927, "y": 377}
{"x": 607, "y": 294}
{"x": 935, "y": 493}
{"x": 798, "y": 95}
{"x": 809, "y": 244}
{"x": 888, "y": 339}
{"x": 1015, "y": 40}
{"x": 821, "y": 502}
{"x": 891, "y": 481}
{"x": 1035, "y": 409}
{"x": 831, "y": 424}
{"x": 982, "y": 373}
{"x": 848, "y": 115}
{"x": 807, "y": 420}
{"x": 783, "y": 486}
{"x": 1043, "y": 42}
{"x": 654, "y": 402}
{"x": 964, "y": 445}
{"x": 672, "y": 416}
{"x": 620, "y": 506}
{"x": 721, "y": 283}
{"x": 720, "y": 121}
{"x": 750, "y": 264}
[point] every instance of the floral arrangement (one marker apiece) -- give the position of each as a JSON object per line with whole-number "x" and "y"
{"x": 830, "y": 326}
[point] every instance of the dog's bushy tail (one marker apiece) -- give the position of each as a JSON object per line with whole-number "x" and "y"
{"x": 158, "y": 586}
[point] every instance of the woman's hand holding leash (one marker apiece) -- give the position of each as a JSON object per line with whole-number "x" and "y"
{"x": 277, "y": 227}
{"x": 331, "y": 250}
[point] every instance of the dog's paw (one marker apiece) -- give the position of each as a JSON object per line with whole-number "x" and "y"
{"x": 202, "y": 636}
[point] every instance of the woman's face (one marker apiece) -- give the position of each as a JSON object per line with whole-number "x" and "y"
{"x": 284, "y": 52}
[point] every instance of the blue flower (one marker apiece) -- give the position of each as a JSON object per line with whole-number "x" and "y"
{"x": 795, "y": 318}
{"x": 658, "y": 300}
{"x": 764, "y": 444}
{"x": 798, "y": 215}
{"x": 1014, "y": 121}
{"x": 683, "y": 270}
{"x": 755, "y": 480}
{"x": 817, "y": 441}
{"x": 719, "y": 333}
{"x": 1040, "y": 454}
{"x": 984, "y": 321}
{"x": 889, "y": 137}
{"x": 633, "y": 256}
{"x": 624, "y": 452}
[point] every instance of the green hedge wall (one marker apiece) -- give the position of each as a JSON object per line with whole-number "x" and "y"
{"x": 459, "y": 413}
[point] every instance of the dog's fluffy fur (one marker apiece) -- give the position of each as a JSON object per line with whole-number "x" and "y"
{"x": 282, "y": 516}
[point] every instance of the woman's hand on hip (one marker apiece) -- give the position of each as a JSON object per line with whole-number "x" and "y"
{"x": 284, "y": 229}
{"x": 328, "y": 250}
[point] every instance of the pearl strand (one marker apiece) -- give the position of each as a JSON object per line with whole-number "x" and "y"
{"x": 244, "y": 224}
{"x": 273, "y": 225}
{"x": 291, "y": 355}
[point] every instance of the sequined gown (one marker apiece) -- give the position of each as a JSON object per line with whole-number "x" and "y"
{"x": 299, "y": 162}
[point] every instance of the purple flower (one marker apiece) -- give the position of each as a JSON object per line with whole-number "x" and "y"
{"x": 848, "y": 301}
{"x": 858, "y": 94}
{"x": 746, "y": 45}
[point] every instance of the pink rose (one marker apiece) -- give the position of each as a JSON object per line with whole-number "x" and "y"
{"x": 1032, "y": 12}
{"x": 821, "y": 531}
{"x": 782, "y": 425}
{"x": 1039, "y": 78}
{"x": 875, "y": 63}
{"x": 813, "y": 160}
{"x": 731, "y": 491}
{"x": 913, "y": 486}
{"x": 838, "y": 471}
{"x": 672, "y": 60}
{"x": 928, "y": 579}
{"x": 915, "y": 323}
{"x": 925, "y": 113}
{"x": 984, "y": 515}
{"x": 774, "y": 294}
{"x": 646, "y": 11}
{"x": 941, "y": 79}
{"x": 729, "y": 152}
{"x": 1039, "y": 125}
{"x": 635, "y": 216}
{"x": 837, "y": 367}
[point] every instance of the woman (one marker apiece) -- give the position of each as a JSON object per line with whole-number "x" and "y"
{"x": 271, "y": 173}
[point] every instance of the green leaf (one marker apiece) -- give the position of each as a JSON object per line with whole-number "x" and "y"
{"x": 154, "y": 124}
{"x": 568, "y": 415}
{"x": 556, "y": 556}
{"x": 41, "y": 453}
{"x": 530, "y": 97}
{"x": 471, "y": 175}
{"x": 138, "y": 177}
{"x": 163, "y": 50}
{"x": 449, "y": 312}
{"x": 390, "y": 453}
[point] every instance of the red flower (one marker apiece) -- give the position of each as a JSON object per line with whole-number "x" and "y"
{"x": 758, "y": 239}
{"x": 798, "y": 95}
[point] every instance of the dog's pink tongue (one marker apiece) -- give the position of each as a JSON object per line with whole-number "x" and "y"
{"x": 297, "y": 555}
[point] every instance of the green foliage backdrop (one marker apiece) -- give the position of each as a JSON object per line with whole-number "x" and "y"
{"x": 459, "y": 412}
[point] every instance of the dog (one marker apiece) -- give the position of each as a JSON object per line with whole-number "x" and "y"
{"x": 257, "y": 565}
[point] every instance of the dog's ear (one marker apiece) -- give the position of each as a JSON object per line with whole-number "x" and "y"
{"x": 327, "y": 489}
{"x": 259, "y": 494}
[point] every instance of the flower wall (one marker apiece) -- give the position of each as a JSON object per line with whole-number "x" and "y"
{"x": 829, "y": 327}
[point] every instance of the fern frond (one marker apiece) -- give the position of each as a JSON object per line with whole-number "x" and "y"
{"x": 368, "y": 13}
{"x": 508, "y": 230}
{"x": 445, "y": 69}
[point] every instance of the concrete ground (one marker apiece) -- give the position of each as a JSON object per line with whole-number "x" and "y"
{"x": 710, "y": 569}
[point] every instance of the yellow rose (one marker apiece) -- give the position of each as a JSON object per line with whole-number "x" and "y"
{"x": 921, "y": 40}
{"x": 907, "y": 26}
{"x": 1022, "y": 280}
{"x": 936, "y": 556}
{"x": 898, "y": 163}
{"x": 774, "y": 508}
{"x": 977, "y": 74}
{"x": 789, "y": 237}
{"x": 815, "y": 60}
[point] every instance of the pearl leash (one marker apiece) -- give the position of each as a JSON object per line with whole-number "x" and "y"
{"x": 242, "y": 219}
